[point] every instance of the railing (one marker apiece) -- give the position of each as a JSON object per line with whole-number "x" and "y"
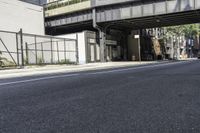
{"x": 61, "y": 3}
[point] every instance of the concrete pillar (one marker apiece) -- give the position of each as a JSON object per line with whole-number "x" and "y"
{"x": 125, "y": 45}
{"x": 103, "y": 45}
{"x": 102, "y": 36}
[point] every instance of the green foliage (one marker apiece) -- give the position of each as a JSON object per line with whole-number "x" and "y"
{"x": 63, "y": 3}
{"x": 5, "y": 62}
{"x": 191, "y": 30}
{"x": 67, "y": 61}
{"x": 40, "y": 61}
{"x": 1, "y": 61}
{"x": 26, "y": 61}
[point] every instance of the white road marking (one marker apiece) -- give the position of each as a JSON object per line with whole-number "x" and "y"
{"x": 94, "y": 73}
{"x": 37, "y": 79}
{"x": 135, "y": 68}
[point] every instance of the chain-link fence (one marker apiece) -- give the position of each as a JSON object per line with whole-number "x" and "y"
{"x": 20, "y": 49}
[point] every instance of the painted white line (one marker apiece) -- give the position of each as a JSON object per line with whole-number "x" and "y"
{"x": 135, "y": 68}
{"x": 94, "y": 73}
{"x": 37, "y": 79}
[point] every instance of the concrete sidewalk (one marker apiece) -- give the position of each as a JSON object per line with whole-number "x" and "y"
{"x": 52, "y": 69}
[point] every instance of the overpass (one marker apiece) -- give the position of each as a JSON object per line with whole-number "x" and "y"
{"x": 67, "y": 16}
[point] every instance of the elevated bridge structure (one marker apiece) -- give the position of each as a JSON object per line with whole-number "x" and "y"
{"x": 69, "y": 15}
{"x": 65, "y": 16}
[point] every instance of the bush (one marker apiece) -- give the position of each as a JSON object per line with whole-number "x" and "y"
{"x": 40, "y": 61}
{"x": 2, "y": 60}
{"x": 5, "y": 62}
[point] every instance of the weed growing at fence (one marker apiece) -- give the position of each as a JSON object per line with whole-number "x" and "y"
{"x": 67, "y": 61}
{"x": 40, "y": 61}
{"x": 2, "y": 60}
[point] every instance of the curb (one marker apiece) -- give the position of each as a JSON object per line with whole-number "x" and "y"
{"x": 39, "y": 72}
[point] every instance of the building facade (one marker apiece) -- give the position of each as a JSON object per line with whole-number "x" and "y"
{"x": 18, "y": 15}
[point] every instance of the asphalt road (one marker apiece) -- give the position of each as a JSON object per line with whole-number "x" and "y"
{"x": 148, "y": 99}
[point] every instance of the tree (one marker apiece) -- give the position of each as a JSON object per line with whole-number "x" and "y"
{"x": 190, "y": 31}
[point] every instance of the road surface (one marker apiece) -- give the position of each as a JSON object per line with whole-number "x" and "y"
{"x": 162, "y": 98}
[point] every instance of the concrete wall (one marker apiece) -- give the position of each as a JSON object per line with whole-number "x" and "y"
{"x": 15, "y": 14}
{"x": 81, "y": 45}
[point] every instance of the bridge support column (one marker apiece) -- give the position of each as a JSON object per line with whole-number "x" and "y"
{"x": 102, "y": 37}
{"x": 103, "y": 45}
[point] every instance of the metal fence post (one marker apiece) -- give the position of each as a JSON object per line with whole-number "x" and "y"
{"x": 22, "y": 50}
{"x": 27, "y": 58}
{"x": 36, "y": 58}
{"x": 51, "y": 51}
{"x": 58, "y": 52}
{"x": 42, "y": 52}
{"x": 77, "y": 54}
{"x": 17, "y": 45}
{"x": 65, "y": 53}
